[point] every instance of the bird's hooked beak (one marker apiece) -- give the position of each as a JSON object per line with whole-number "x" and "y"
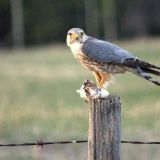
{"x": 71, "y": 37}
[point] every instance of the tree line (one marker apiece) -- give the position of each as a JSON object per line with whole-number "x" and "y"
{"x": 34, "y": 22}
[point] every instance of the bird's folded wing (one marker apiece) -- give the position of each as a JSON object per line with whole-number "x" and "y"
{"x": 104, "y": 51}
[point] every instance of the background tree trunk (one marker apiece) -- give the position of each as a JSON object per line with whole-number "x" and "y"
{"x": 109, "y": 19}
{"x": 17, "y": 23}
{"x": 91, "y": 17}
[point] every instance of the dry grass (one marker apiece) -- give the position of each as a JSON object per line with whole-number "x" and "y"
{"x": 38, "y": 100}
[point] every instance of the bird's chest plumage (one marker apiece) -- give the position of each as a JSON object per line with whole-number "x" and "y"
{"x": 91, "y": 63}
{"x": 82, "y": 58}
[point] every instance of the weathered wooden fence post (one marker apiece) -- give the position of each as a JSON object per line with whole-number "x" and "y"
{"x": 104, "y": 129}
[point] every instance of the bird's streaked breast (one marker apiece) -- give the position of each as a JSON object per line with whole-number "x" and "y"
{"x": 91, "y": 63}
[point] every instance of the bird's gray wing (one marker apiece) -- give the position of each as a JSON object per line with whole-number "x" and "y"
{"x": 104, "y": 51}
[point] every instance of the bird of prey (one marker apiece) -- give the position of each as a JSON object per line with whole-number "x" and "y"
{"x": 105, "y": 59}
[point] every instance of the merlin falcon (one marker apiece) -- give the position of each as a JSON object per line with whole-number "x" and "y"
{"x": 105, "y": 59}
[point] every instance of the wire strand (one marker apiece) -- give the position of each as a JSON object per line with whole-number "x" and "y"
{"x": 41, "y": 143}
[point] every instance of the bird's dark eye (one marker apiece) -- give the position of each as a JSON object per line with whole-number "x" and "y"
{"x": 81, "y": 33}
{"x": 70, "y": 33}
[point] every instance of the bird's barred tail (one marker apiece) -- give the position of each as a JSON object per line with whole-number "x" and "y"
{"x": 152, "y": 71}
{"x": 142, "y": 69}
{"x": 134, "y": 62}
{"x": 149, "y": 78}
{"x": 143, "y": 74}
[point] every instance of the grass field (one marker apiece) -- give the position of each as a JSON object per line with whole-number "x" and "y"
{"x": 38, "y": 99}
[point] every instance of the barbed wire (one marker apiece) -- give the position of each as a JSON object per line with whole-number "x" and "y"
{"x": 140, "y": 142}
{"x": 40, "y": 143}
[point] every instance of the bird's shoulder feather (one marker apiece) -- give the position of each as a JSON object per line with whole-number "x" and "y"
{"x": 104, "y": 51}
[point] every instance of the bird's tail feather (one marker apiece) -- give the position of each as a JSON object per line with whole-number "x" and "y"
{"x": 143, "y": 74}
{"x": 152, "y": 71}
{"x": 146, "y": 64}
{"x": 132, "y": 62}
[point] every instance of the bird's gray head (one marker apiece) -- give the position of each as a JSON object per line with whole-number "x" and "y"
{"x": 75, "y": 35}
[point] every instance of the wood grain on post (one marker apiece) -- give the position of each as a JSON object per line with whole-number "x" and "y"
{"x": 104, "y": 129}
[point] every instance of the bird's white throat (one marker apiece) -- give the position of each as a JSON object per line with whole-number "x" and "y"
{"x": 77, "y": 45}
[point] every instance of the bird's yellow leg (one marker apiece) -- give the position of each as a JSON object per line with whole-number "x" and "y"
{"x": 105, "y": 77}
{"x": 97, "y": 77}
{"x": 101, "y": 79}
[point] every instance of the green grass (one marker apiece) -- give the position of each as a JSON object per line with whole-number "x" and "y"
{"x": 38, "y": 99}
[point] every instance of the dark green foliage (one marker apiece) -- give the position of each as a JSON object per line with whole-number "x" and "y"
{"x": 47, "y": 21}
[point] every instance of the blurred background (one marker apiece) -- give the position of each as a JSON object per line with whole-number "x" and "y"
{"x": 39, "y": 76}
{"x": 26, "y": 23}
